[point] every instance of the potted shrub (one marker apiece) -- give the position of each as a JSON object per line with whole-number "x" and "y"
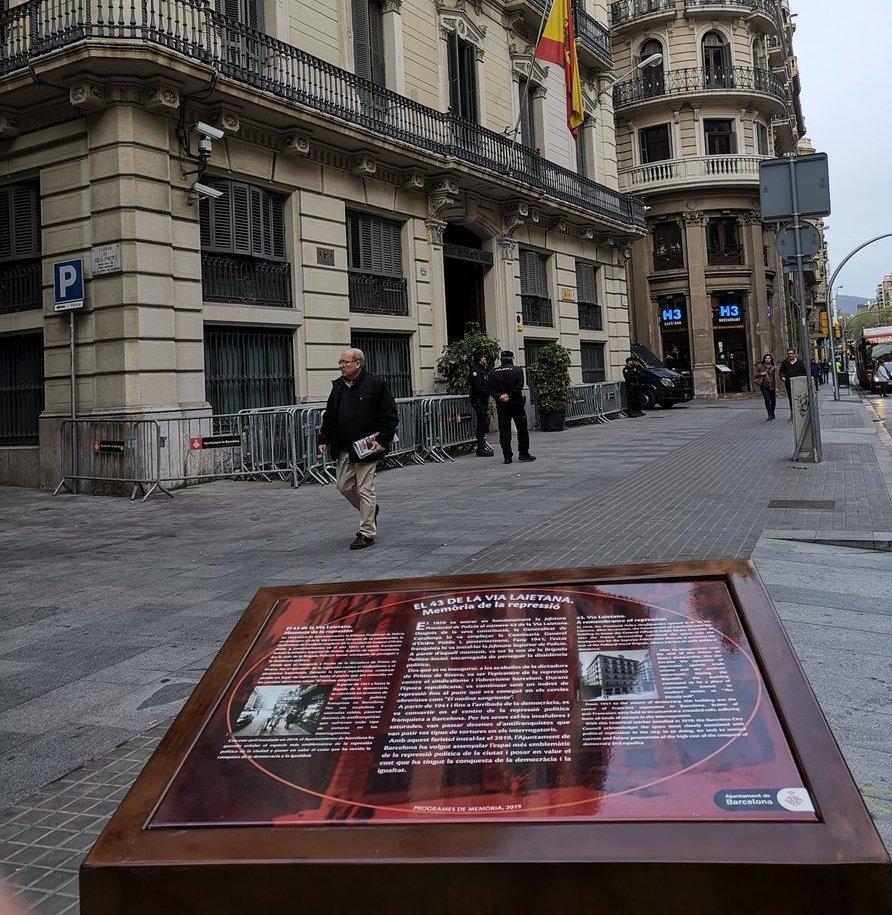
{"x": 454, "y": 365}
{"x": 549, "y": 378}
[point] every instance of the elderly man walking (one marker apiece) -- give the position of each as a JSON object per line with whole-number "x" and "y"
{"x": 358, "y": 427}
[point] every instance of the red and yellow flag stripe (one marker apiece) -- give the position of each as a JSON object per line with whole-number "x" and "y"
{"x": 558, "y": 46}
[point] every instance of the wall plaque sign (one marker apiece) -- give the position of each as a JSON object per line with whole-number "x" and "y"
{"x": 638, "y": 716}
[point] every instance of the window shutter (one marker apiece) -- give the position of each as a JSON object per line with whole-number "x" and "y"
{"x": 362, "y": 63}
{"x": 538, "y": 274}
{"x": 454, "y": 77}
{"x": 526, "y": 280}
{"x": 587, "y": 283}
{"x": 241, "y": 218}
{"x": 376, "y": 43}
{"x": 5, "y": 223}
{"x": 277, "y": 225}
{"x": 256, "y": 220}
{"x": 25, "y": 224}
{"x": 353, "y": 243}
{"x": 220, "y": 215}
{"x": 205, "y": 208}
{"x": 468, "y": 77}
{"x": 254, "y": 14}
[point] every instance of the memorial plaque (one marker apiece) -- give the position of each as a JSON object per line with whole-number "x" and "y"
{"x": 370, "y": 741}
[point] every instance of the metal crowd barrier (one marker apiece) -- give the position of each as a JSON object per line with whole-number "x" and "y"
{"x": 152, "y": 455}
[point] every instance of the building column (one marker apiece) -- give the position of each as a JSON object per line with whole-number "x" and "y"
{"x": 757, "y": 318}
{"x": 700, "y": 308}
{"x": 439, "y": 331}
{"x": 503, "y": 304}
{"x": 644, "y": 329}
{"x": 394, "y": 58}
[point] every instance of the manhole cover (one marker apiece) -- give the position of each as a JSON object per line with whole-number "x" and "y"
{"x": 824, "y": 505}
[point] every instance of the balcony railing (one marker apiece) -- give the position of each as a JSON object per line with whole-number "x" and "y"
{"x": 627, "y": 10}
{"x": 693, "y": 170}
{"x": 537, "y": 311}
{"x": 193, "y": 28}
{"x": 724, "y": 257}
{"x": 696, "y": 79}
{"x": 245, "y": 280}
{"x": 21, "y": 288}
{"x": 374, "y": 294}
{"x": 590, "y": 316}
{"x": 591, "y": 34}
{"x": 768, "y": 7}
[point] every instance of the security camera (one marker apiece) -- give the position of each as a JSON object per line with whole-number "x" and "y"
{"x": 212, "y": 133}
{"x": 204, "y": 190}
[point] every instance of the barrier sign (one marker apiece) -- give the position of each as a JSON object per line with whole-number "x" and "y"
{"x": 215, "y": 441}
{"x": 107, "y": 446}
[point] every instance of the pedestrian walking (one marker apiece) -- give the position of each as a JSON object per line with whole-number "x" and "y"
{"x": 480, "y": 395}
{"x": 816, "y": 373}
{"x": 634, "y": 378}
{"x": 791, "y": 367}
{"x": 882, "y": 376}
{"x": 358, "y": 427}
{"x": 768, "y": 380}
{"x": 506, "y": 385}
{"x": 825, "y": 371}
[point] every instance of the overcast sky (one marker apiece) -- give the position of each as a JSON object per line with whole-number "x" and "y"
{"x": 845, "y": 59}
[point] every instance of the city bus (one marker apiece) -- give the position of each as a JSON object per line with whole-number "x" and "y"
{"x": 873, "y": 343}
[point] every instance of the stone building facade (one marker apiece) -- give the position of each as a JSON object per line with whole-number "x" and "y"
{"x": 367, "y": 188}
{"x": 705, "y": 90}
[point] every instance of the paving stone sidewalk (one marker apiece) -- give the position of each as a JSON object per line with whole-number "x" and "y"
{"x": 112, "y": 611}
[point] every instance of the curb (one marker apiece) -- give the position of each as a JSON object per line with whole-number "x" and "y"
{"x": 880, "y": 541}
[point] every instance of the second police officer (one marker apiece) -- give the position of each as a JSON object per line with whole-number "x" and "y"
{"x": 506, "y": 385}
{"x": 480, "y": 400}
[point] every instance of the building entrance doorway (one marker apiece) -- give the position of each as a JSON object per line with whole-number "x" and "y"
{"x": 465, "y": 263}
{"x": 731, "y": 345}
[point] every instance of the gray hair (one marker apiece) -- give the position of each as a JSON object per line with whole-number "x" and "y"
{"x": 356, "y": 354}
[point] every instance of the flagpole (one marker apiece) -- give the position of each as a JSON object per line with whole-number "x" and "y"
{"x": 526, "y": 96}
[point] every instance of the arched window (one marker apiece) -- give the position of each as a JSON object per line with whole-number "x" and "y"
{"x": 716, "y": 62}
{"x": 652, "y": 75}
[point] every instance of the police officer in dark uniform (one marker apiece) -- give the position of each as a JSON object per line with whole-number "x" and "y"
{"x": 480, "y": 400}
{"x": 506, "y": 386}
{"x": 634, "y": 386}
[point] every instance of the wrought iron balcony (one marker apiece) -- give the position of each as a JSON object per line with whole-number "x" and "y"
{"x": 694, "y": 80}
{"x": 690, "y": 171}
{"x": 724, "y": 257}
{"x": 195, "y": 29}
{"x": 628, "y": 10}
{"x": 245, "y": 280}
{"x": 21, "y": 288}
{"x": 590, "y": 316}
{"x": 374, "y": 294}
{"x": 591, "y": 35}
{"x": 537, "y": 311}
{"x": 766, "y": 7}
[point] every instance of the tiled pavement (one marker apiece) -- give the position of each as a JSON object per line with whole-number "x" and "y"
{"x": 133, "y": 601}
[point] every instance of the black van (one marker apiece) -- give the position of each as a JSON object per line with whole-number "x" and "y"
{"x": 661, "y": 385}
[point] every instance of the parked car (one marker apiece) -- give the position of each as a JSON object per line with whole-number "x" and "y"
{"x": 662, "y": 386}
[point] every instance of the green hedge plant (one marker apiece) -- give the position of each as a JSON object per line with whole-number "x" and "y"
{"x": 549, "y": 376}
{"x": 454, "y": 365}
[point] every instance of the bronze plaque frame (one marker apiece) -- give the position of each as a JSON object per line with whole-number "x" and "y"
{"x": 837, "y": 863}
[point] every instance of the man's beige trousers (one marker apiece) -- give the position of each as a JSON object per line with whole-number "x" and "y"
{"x": 356, "y": 483}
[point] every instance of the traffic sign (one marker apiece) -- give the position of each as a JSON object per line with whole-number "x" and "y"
{"x": 809, "y": 236}
{"x": 68, "y": 285}
{"x": 810, "y": 175}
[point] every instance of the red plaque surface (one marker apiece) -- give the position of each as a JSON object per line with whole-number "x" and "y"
{"x": 638, "y": 701}
{"x": 531, "y": 742}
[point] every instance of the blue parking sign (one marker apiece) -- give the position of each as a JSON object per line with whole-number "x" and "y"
{"x": 68, "y": 284}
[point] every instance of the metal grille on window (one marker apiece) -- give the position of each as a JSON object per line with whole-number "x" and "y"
{"x": 21, "y": 388}
{"x": 387, "y": 356}
{"x": 375, "y": 265}
{"x": 531, "y": 350}
{"x": 535, "y": 300}
{"x": 590, "y": 316}
{"x": 21, "y": 286}
{"x": 243, "y": 246}
{"x": 246, "y": 369}
{"x": 593, "y": 369}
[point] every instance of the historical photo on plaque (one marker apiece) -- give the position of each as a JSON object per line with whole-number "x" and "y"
{"x": 637, "y": 701}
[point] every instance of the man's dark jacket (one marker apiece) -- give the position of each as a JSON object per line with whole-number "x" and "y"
{"x": 371, "y": 409}
{"x": 479, "y": 383}
{"x": 507, "y": 379}
{"x": 790, "y": 370}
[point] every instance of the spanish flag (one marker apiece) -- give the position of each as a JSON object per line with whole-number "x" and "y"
{"x": 558, "y": 46}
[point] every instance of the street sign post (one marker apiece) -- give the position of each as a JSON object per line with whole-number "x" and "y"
{"x": 68, "y": 295}
{"x": 794, "y": 188}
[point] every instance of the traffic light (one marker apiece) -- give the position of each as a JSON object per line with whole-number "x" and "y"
{"x": 837, "y": 331}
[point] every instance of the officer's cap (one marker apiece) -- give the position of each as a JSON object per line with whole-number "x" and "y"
{"x": 507, "y": 355}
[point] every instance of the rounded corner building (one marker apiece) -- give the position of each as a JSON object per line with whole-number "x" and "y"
{"x": 704, "y": 90}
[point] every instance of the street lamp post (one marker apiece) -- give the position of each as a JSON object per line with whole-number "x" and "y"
{"x": 836, "y": 272}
